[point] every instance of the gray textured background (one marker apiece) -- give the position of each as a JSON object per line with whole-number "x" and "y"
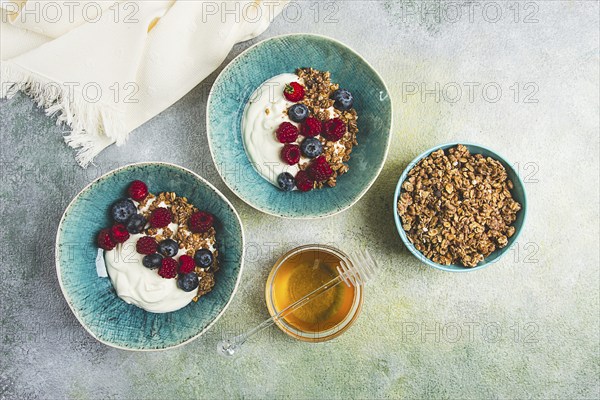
{"x": 525, "y": 327}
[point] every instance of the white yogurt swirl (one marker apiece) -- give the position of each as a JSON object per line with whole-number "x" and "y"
{"x": 263, "y": 114}
{"x": 141, "y": 286}
{"x": 265, "y": 111}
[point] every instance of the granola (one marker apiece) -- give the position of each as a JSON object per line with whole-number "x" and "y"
{"x": 189, "y": 241}
{"x": 456, "y": 207}
{"x": 318, "y": 90}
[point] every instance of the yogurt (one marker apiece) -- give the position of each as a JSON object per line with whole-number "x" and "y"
{"x": 141, "y": 286}
{"x": 263, "y": 114}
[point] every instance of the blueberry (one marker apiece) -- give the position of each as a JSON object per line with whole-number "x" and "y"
{"x": 286, "y": 181}
{"x": 152, "y": 261}
{"x": 203, "y": 258}
{"x": 311, "y": 147}
{"x": 187, "y": 282}
{"x": 136, "y": 223}
{"x": 298, "y": 112}
{"x": 343, "y": 99}
{"x": 168, "y": 248}
{"x": 122, "y": 210}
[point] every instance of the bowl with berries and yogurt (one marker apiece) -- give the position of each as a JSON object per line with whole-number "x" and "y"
{"x": 160, "y": 251}
{"x": 149, "y": 256}
{"x": 299, "y": 126}
{"x": 299, "y": 130}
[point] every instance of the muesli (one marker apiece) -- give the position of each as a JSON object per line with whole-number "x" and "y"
{"x": 456, "y": 207}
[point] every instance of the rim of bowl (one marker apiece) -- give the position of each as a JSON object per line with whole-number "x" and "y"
{"x": 387, "y": 145}
{"x": 114, "y": 171}
{"x": 339, "y": 329}
{"x": 402, "y": 233}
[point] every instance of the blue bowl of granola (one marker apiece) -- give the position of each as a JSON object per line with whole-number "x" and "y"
{"x": 331, "y": 161}
{"x": 459, "y": 207}
{"x": 109, "y": 306}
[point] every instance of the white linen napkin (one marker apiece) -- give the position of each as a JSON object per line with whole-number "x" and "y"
{"x": 105, "y": 67}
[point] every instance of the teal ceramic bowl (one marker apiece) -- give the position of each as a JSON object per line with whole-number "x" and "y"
{"x": 284, "y": 54}
{"x": 518, "y": 193}
{"x": 93, "y": 299}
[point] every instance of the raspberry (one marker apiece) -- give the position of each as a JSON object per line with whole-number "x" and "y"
{"x": 200, "y": 221}
{"x": 146, "y": 245}
{"x": 303, "y": 182}
{"x": 105, "y": 241}
{"x": 186, "y": 264}
{"x": 138, "y": 190}
{"x": 168, "y": 269}
{"x": 160, "y": 218}
{"x": 287, "y": 132}
{"x": 290, "y": 153}
{"x": 119, "y": 233}
{"x": 334, "y": 129}
{"x": 294, "y": 92}
{"x": 311, "y": 127}
{"x": 320, "y": 170}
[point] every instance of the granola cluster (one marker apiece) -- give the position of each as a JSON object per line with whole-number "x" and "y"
{"x": 456, "y": 207}
{"x": 318, "y": 90}
{"x": 181, "y": 211}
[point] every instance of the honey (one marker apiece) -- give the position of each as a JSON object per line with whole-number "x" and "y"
{"x": 300, "y": 274}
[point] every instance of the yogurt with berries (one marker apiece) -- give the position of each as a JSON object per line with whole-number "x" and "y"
{"x": 299, "y": 129}
{"x": 264, "y": 113}
{"x": 140, "y": 286}
{"x": 160, "y": 252}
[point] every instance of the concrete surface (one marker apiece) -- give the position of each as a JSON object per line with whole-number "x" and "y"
{"x": 527, "y": 327}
